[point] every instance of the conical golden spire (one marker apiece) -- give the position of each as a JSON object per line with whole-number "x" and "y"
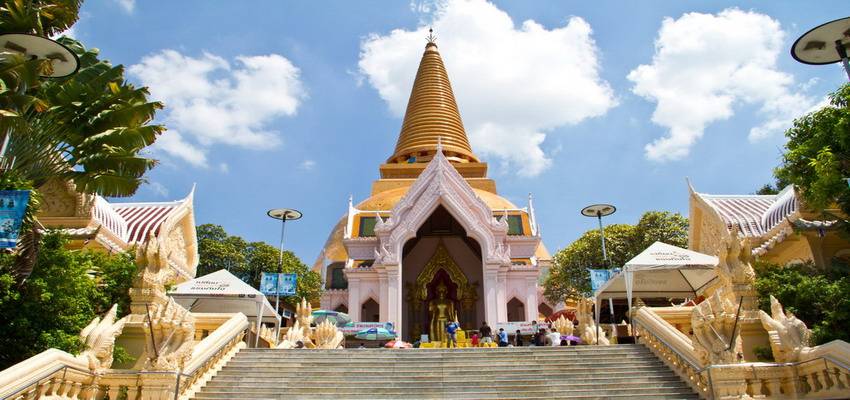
{"x": 431, "y": 114}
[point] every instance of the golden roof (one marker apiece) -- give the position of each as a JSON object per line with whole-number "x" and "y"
{"x": 432, "y": 115}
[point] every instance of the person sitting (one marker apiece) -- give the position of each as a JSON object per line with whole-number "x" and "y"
{"x": 474, "y": 340}
{"x": 503, "y": 338}
{"x": 554, "y": 338}
{"x": 486, "y": 333}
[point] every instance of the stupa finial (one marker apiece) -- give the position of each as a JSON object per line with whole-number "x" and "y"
{"x": 431, "y": 38}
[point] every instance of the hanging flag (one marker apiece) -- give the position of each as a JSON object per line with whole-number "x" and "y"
{"x": 13, "y": 206}
{"x": 276, "y": 284}
{"x": 598, "y": 277}
{"x": 288, "y": 283}
{"x": 269, "y": 283}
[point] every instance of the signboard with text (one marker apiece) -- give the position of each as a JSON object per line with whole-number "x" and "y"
{"x": 353, "y": 327}
{"x": 525, "y": 328}
{"x": 598, "y": 277}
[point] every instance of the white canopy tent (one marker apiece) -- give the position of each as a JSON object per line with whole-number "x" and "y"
{"x": 662, "y": 270}
{"x": 222, "y": 292}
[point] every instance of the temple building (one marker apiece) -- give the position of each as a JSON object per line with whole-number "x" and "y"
{"x": 167, "y": 229}
{"x": 435, "y": 241}
{"x": 778, "y": 228}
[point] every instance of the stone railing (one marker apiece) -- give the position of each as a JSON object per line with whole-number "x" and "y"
{"x": 57, "y": 374}
{"x": 674, "y": 348}
{"x": 824, "y": 372}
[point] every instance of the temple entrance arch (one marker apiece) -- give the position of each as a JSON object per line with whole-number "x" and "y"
{"x": 441, "y": 256}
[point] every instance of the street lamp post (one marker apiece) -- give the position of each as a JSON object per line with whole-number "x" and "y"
{"x": 825, "y": 44}
{"x": 283, "y": 214}
{"x": 599, "y": 211}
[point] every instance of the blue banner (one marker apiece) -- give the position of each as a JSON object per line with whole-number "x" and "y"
{"x": 598, "y": 277}
{"x": 268, "y": 283}
{"x": 13, "y": 206}
{"x": 274, "y": 284}
{"x": 288, "y": 283}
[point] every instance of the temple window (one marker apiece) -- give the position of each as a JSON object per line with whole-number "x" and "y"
{"x": 337, "y": 276}
{"x": 516, "y": 310}
{"x": 514, "y": 224}
{"x": 367, "y": 226}
{"x": 341, "y": 308}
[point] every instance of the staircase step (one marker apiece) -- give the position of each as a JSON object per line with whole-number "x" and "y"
{"x": 578, "y": 372}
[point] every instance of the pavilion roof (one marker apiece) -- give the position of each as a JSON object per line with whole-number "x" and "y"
{"x": 753, "y": 215}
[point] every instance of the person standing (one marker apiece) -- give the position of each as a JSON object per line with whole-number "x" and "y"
{"x": 518, "y": 339}
{"x": 503, "y": 338}
{"x": 486, "y": 333}
{"x": 451, "y": 333}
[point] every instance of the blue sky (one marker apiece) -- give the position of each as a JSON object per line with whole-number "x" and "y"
{"x": 273, "y": 104}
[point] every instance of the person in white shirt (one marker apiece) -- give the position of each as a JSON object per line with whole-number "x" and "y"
{"x": 554, "y": 338}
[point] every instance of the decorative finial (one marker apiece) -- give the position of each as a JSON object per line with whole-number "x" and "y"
{"x": 431, "y": 38}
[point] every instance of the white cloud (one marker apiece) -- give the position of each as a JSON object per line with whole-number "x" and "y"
{"x": 704, "y": 66}
{"x": 172, "y": 143}
{"x": 223, "y": 167}
{"x": 307, "y": 165}
{"x": 211, "y": 102}
{"x": 513, "y": 83}
{"x": 127, "y": 5}
{"x": 158, "y": 189}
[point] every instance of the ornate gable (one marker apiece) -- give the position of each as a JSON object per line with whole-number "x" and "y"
{"x": 441, "y": 184}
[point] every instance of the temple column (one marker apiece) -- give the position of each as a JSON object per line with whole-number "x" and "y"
{"x": 354, "y": 305}
{"x": 491, "y": 281}
{"x": 531, "y": 299}
{"x": 394, "y": 297}
{"x": 383, "y": 295}
{"x": 501, "y": 297}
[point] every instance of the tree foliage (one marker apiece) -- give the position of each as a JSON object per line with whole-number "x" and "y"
{"x": 66, "y": 290}
{"x": 569, "y": 278}
{"x": 819, "y": 297}
{"x": 247, "y": 260}
{"x": 817, "y": 157}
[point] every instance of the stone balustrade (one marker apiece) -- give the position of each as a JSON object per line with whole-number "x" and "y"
{"x": 824, "y": 372}
{"x": 57, "y": 374}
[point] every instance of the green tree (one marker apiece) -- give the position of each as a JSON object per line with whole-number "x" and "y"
{"x": 91, "y": 133}
{"x": 817, "y": 157}
{"x": 820, "y": 298}
{"x": 248, "y": 260}
{"x": 66, "y": 290}
{"x": 569, "y": 278}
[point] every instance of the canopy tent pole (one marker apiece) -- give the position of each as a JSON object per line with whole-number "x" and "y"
{"x": 629, "y": 286}
{"x": 277, "y": 330}
{"x": 596, "y": 308}
{"x": 259, "y": 321}
{"x": 611, "y": 309}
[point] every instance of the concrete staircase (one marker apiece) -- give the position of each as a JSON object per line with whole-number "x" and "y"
{"x": 582, "y": 372}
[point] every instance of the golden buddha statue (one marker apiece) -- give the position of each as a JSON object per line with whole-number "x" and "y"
{"x": 441, "y": 310}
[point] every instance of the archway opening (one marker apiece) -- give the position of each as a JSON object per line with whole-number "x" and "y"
{"x": 516, "y": 310}
{"x": 370, "y": 311}
{"x": 341, "y": 308}
{"x": 544, "y": 311}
